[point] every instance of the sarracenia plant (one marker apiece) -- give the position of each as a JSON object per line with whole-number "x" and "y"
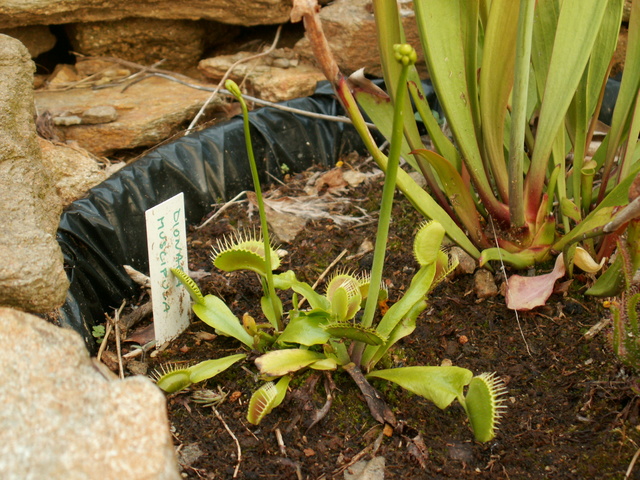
{"x": 521, "y": 84}
{"x": 328, "y": 335}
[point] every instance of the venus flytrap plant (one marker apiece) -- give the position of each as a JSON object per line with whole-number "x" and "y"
{"x": 328, "y": 335}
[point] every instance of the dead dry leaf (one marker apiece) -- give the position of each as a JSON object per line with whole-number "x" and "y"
{"x": 527, "y": 293}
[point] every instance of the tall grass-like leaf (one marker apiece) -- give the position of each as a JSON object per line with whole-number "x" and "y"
{"x": 458, "y": 194}
{"x": 586, "y": 98}
{"x": 578, "y": 19}
{"x": 496, "y": 81}
{"x": 625, "y": 104}
{"x": 440, "y": 23}
{"x": 521, "y": 89}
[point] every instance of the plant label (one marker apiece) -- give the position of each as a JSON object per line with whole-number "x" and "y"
{"x": 167, "y": 245}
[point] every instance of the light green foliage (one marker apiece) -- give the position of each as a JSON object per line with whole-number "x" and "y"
{"x": 520, "y": 84}
{"x": 328, "y": 335}
{"x": 98, "y": 332}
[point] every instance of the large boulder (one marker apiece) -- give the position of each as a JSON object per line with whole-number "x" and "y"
{"x": 32, "y": 276}
{"x": 51, "y": 12}
{"x": 64, "y": 417}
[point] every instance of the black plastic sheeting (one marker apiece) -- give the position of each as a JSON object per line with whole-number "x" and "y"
{"x": 106, "y": 230}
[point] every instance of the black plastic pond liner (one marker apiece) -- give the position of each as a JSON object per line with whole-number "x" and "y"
{"x": 106, "y": 230}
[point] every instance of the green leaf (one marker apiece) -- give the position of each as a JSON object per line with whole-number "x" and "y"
{"x": 288, "y": 280}
{"x": 373, "y": 354}
{"x": 578, "y": 19}
{"x": 305, "y": 330}
{"x": 282, "y": 362}
{"x": 175, "y": 380}
{"x": 420, "y": 285}
{"x": 211, "y": 368}
{"x": 325, "y": 364}
{"x": 440, "y": 23}
{"x": 496, "y": 81}
{"x": 441, "y": 385}
{"x": 215, "y": 313}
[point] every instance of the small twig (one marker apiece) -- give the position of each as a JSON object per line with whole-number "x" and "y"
{"x": 116, "y": 322}
{"x": 276, "y": 179}
{"x": 632, "y": 464}
{"x": 235, "y": 472}
{"x": 222, "y": 209}
{"x": 265, "y": 103}
{"x": 324, "y": 274}
{"x": 194, "y": 122}
{"x": 281, "y": 446}
{"x": 137, "y": 315}
{"x": 140, "y": 351}
{"x": 371, "y": 448}
{"x": 103, "y": 345}
{"x": 329, "y": 386}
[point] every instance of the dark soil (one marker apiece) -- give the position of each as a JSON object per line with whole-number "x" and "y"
{"x": 572, "y": 408}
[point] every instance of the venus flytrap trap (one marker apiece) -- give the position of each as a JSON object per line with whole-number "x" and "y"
{"x": 329, "y": 334}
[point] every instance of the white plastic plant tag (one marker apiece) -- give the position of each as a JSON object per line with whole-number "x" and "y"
{"x": 167, "y": 245}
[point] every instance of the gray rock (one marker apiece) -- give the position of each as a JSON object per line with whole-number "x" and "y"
{"x": 99, "y": 114}
{"x": 366, "y": 470}
{"x": 484, "y": 284}
{"x": 466, "y": 263}
{"x": 32, "y": 276}
{"x": 62, "y": 418}
{"x": 67, "y": 120}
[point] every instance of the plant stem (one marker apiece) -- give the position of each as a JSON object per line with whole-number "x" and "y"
{"x": 386, "y": 207}
{"x": 270, "y": 290}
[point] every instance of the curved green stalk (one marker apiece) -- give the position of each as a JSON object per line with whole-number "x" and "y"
{"x": 272, "y": 298}
{"x": 406, "y": 55}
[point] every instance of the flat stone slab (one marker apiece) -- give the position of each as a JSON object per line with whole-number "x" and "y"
{"x": 148, "y": 112}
